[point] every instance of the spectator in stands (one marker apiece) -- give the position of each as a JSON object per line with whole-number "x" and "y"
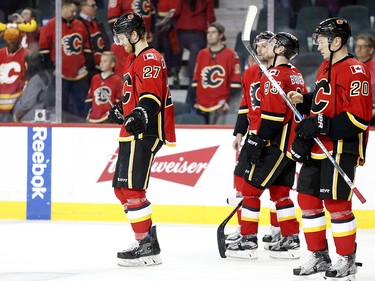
{"x": 145, "y": 8}
{"x": 76, "y": 53}
{"x": 364, "y": 48}
{"x": 192, "y": 19}
{"x": 167, "y": 40}
{"x": 217, "y": 76}
{"x": 36, "y": 94}
{"x": 32, "y": 38}
{"x": 104, "y": 86}
{"x": 99, "y": 41}
{"x": 12, "y": 70}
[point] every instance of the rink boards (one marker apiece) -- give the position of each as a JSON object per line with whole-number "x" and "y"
{"x": 64, "y": 173}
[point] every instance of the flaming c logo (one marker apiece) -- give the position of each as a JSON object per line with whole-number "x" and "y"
{"x": 183, "y": 168}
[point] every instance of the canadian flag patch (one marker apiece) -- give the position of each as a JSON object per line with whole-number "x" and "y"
{"x": 357, "y": 69}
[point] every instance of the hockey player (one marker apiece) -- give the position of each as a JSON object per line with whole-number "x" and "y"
{"x": 247, "y": 123}
{"x": 217, "y": 76}
{"x": 148, "y": 124}
{"x": 269, "y": 156}
{"x": 340, "y": 111}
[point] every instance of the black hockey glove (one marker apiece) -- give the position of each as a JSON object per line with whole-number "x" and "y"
{"x": 311, "y": 126}
{"x": 116, "y": 114}
{"x": 254, "y": 149}
{"x": 136, "y": 121}
{"x": 300, "y": 149}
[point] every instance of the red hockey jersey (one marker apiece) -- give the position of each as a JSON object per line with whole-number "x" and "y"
{"x": 350, "y": 91}
{"x": 112, "y": 86}
{"x": 74, "y": 42}
{"x": 145, "y": 77}
{"x": 214, "y": 76}
{"x": 97, "y": 42}
{"x": 12, "y": 77}
{"x": 250, "y": 102}
{"x": 275, "y": 110}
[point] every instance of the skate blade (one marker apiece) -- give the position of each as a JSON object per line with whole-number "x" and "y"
{"x": 346, "y": 278}
{"x": 290, "y": 254}
{"x": 319, "y": 276}
{"x": 143, "y": 261}
{"x": 245, "y": 254}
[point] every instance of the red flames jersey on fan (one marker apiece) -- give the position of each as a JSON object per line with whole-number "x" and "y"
{"x": 12, "y": 77}
{"x": 116, "y": 8}
{"x": 250, "y": 103}
{"x": 273, "y": 106}
{"x": 96, "y": 38}
{"x": 145, "y": 77}
{"x": 348, "y": 91}
{"x": 112, "y": 85}
{"x": 214, "y": 76}
{"x": 74, "y": 43}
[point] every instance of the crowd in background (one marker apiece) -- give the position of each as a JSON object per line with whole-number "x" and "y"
{"x": 174, "y": 28}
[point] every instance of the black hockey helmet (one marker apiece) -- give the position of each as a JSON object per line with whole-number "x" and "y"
{"x": 333, "y": 27}
{"x": 265, "y": 35}
{"x": 128, "y": 23}
{"x": 289, "y": 41}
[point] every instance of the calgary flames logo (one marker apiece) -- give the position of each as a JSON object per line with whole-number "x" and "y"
{"x": 212, "y": 76}
{"x": 99, "y": 95}
{"x": 142, "y": 7}
{"x": 72, "y": 44}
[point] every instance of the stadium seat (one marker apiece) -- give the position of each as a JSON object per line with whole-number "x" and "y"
{"x": 302, "y": 39}
{"x": 187, "y": 118}
{"x": 281, "y": 19}
{"x": 369, "y": 4}
{"x": 309, "y": 17}
{"x": 227, "y": 119}
{"x": 180, "y": 107}
{"x": 308, "y": 64}
{"x": 358, "y": 17}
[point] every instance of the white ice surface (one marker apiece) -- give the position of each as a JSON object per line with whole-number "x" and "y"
{"x": 86, "y": 251}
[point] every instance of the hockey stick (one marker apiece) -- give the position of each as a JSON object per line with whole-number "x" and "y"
{"x": 251, "y": 14}
{"x": 220, "y": 232}
{"x": 101, "y": 91}
{"x": 104, "y": 93}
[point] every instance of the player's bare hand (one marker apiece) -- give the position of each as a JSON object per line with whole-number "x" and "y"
{"x": 295, "y": 97}
{"x": 237, "y": 143}
{"x": 226, "y": 107}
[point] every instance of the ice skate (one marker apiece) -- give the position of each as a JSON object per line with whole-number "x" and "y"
{"x": 233, "y": 237}
{"x": 314, "y": 268}
{"x": 272, "y": 236}
{"x": 286, "y": 248}
{"x": 142, "y": 252}
{"x": 344, "y": 269}
{"x": 246, "y": 248}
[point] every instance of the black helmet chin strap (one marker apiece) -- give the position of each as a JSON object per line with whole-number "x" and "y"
{"x": 133, "y": 44}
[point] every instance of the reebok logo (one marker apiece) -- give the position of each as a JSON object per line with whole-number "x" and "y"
{"x": 183, "y": 168}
